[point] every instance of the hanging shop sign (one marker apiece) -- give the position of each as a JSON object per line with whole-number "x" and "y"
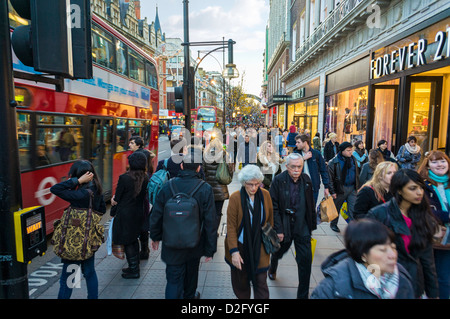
{"x": 424, "y": 47}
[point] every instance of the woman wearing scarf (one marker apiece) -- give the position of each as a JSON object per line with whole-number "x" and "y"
{"x": 367, "y": 268}
{"x": 435, "y": 171}
{"x": 248, "y": 211}
{"x": 360, "y": 153}
{"x": 409, "y": 154}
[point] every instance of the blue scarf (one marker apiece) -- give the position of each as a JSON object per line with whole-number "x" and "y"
{"x": 442, "y": 180}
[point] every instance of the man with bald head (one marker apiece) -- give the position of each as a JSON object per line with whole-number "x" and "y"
{"x": 294, "y": 219}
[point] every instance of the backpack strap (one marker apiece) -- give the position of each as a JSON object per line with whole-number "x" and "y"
{"x": 197, "y": 187}
{"x": 174, "y": 188}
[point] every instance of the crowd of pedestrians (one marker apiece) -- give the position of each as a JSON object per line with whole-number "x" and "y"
{"x": 397, "y": 207}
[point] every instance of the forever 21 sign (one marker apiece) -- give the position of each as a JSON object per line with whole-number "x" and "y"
{"x": 408, "y": 57}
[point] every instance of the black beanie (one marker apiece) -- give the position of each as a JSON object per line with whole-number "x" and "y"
{"x": 344, "y": 145}
{"x": 137, "y": 161}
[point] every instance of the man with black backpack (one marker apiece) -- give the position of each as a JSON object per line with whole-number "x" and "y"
{"x": 184, "y": 219}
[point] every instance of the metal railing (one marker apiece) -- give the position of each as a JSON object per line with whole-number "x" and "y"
{"x": 329, "y": 24}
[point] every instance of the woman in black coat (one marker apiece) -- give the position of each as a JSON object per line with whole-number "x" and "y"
{"x": 331, "y": 148}
{"x": 214, "y": 153}
{"x": 409, "y": 216}
{"x": 129, "y": 212}
{"x": 376, "y": 191}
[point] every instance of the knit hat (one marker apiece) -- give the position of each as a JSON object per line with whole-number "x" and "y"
{"x": 344, "y": 145}
{"x": 137, "y": 161}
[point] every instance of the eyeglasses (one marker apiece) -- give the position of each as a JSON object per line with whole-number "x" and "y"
{"x": 252, "y": 185}
{"x": 295, "y": 167}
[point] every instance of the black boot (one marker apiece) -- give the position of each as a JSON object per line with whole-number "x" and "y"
{"x": 132, "y": 272}
{"x": 145, "y": 251}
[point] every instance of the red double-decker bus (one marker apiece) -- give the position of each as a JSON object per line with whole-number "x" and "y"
{"x": 91, "y": 119}
{"x": 207, "y": 119}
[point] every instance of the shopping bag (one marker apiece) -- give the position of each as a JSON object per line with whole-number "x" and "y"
{"x": 222, "y": 174}
{"x": 344, "y": 211}
{"x": 313, "y": 248}
{"x": 328, "y": 211}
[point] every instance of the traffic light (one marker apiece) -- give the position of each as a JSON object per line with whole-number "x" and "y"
{"x": 179, "y": 103}
{"x": 58, "y": 38}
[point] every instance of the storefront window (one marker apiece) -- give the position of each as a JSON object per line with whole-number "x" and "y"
{"x": 346, "y": 115}
{"x": 304, "y": 115}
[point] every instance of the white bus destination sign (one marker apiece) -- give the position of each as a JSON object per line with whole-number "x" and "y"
{"x": 405, "y": 54}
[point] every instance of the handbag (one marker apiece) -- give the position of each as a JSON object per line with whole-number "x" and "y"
{"x": 222, "y": 174}
{"x": 328, "y": 211}
{"x": 78, "y": 234}
{"x": 270, "y": 239}
{"x": 118, "y": 251}
{"x": 442, "y": 242}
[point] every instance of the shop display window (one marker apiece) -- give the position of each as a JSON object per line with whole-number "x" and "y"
{"x": 346, "y": 114}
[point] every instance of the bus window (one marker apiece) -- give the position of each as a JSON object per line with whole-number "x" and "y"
{"x": 147, "y": 132}
{"x": 61, "y": 138}
{"x": 136, "y": 66}
{"x": 135, "y": 128}
{"x": 122, "y": 62}
{"x": 152, "y": 79}
{"x": 121, "y": 135}
{"x": 24, "y": 140}
{"x": 22, "y": 97}
{"x": 103, "y": 48}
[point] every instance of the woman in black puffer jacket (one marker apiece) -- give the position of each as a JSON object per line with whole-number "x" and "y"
{"x": 213, "y": 155}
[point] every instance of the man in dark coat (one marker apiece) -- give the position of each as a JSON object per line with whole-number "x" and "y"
{"x": 344, "y": 181}
{"x": 182, "y": 264}
{"x": 294, "y": 219}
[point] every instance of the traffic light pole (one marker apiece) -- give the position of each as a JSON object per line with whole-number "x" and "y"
{"x": 186, "y": 74}
{"x": 13, "y": 274}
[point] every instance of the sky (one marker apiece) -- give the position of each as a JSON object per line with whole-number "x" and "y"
{"x": 244, "y": 21}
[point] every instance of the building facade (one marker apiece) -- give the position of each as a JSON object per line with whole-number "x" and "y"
{"x": 370, "y": 70}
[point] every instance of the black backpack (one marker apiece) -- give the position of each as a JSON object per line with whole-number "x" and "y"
{"x": 181, "y": 219}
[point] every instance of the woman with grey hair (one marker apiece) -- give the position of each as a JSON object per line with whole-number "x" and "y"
{"x": 249, "y": 209}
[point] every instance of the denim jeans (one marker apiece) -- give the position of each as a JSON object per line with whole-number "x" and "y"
{"x": 442, "y": 261}
{"x": 69, "y": 275}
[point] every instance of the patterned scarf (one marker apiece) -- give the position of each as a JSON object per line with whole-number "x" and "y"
{"x": 384, "y": 286}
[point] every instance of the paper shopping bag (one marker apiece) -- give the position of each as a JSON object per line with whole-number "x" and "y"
{"x": 328, "y": 210}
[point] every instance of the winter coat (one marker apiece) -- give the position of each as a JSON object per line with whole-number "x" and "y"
{"x": 280, "y": 194}
{"x": 78, "y": 195}
{"x": 328, "y": 150}
{"x": 343, "y": 280}
{"x": 366, "y": 200}
{"x": 334, "y": 170}
{"x": 406, "y": 159}
{"x": 317, "y": 166}
{"x": 291, "y": 139}
{"x": 419, "y": 264}
{"x": 235, "y": 215}
{"x": 130, "y": 212}
{"x": 220, "y": 191}
{"x": 366, "y": 173}
{"x": 207, "y": 246}
{"x": 441, "y": 215}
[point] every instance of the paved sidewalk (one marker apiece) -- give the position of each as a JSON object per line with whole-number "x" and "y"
{"x": 214, "y": 277}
